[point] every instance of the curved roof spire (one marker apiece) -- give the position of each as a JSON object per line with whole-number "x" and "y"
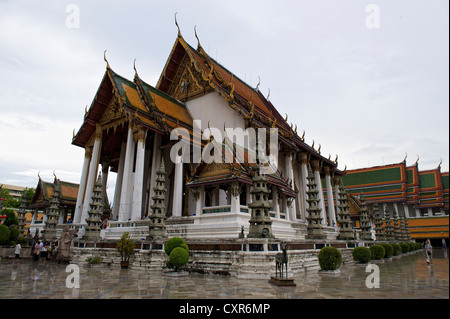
{"x": 134, "y": 67}
{"x": 195, "y": 32}
{"x": 104, "y": 57}
{"x": 176, "y": 23}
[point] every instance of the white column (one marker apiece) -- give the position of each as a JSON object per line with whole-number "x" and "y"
{"x": 105, "y": 170}
{"x": 406, "y": 210}
{"x": 119, "y": 180}
{"x": 331, "y": 211}
{"x": 156, "y": 161}
{"x": 290, "y": 174}
{"x": 304, "y": 187}
{"x": 316, "y": 168}
{"x": 125, "y": 204}
{"x": 93, "y": 167}
{"x": 235, "y": 198}
{"x": 138, "y": 184}
{"x": 200, "y": 201}
{"x": 275, "y": 204}
{"x": 35, "y": 214}
{"x": 82, "y": 187}
{"x": 177, "y": 204}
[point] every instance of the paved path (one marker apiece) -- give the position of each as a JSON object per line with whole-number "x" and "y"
{"x": 405, "y": 277}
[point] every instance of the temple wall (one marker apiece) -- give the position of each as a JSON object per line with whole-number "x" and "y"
{"x": 221, "y": 257}
{"x": 213, "y": 108}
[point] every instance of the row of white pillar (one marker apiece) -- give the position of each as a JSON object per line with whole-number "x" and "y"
{"x": 131, "y": 178}
{"x": 128, "y": 197}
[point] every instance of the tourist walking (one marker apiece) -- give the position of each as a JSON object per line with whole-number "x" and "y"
{"x": 36, "y": 252}
{"x": 429, "y": 251}
{"x": 17, "y": 251}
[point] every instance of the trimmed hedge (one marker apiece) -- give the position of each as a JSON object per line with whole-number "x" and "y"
{"x": 178, "y": 252}
{"x": 412, "y": 246}
{"x": 361, "y": 254}
{"x": 405, "y": 247}
{"x": 173, "y": 243}
{"x": 330, "y": 258}
{"x": 388, "y": 249}
{"x": 178, "y": 258}
{"x": 397, "y": 249}
{"x": 377, "y": 251}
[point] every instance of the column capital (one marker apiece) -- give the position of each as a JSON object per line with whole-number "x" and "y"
{"x": 303, "y": 157}
{"x": 98, "y": 132}
{"x": 88, "y": 152}
{"x": 140, "y": 133}
{"x": 327, "y": 170}
{"x": 316, "y": 165}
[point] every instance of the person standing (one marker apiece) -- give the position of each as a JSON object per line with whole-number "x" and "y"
{"x": 17, "y": 251}
{"x": 429, "y": 251}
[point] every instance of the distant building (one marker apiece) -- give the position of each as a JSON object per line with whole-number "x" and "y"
{"x": 420, "y": 196}
{"x": 14, "y": 191}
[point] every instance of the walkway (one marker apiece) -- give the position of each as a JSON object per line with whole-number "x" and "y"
{"x": 405, "y": 277}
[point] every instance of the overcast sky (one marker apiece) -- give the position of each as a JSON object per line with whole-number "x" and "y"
{"x": 368, "y": 80}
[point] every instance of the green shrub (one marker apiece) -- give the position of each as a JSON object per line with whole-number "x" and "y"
{"x": 14, "y": 234}
{"x": 185, "y": 246}
{"x": 4, "y": 235}
{"x": 419, "y": 246}
{"x": 388, "y": 250}
{"x": 412, "y": 246}
{"x": 330, "y": 258}
{"x": 397, "y": 249}
{"x": 94, "y": 260}
{"x": 405, "y": 247}
{"x": 361, "y": 254}
{"x": 377, "y": 251}
{"x": 178, "y": 258}
{"x": 173, "y": 243}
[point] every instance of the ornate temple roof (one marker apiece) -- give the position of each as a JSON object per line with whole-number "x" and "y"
{"x": 45, "y": 190}
{"x": 385, "y": 183}
{"x": 188, "y": 73}
{"x": 400, "y": 183}
{"x": 196, "y": 68}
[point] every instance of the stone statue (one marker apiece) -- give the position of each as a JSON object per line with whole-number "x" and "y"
{"x": 281, "y": 260}
{"x": 241, "y": 234}
{"x": 65, "y": 242}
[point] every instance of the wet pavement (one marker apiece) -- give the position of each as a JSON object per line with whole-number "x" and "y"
{"x": 407, "y": 277}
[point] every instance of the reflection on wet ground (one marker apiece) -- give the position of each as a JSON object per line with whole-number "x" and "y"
{"x": 408, "y": 276}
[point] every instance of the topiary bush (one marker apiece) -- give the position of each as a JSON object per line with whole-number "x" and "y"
{"x": 397, "y": 249}
{"x": 173, "y": 243}
{"x": 405, "y": 247}
{"x": 330, "y": 258}
{"x": 388, "y": 250}
{"x": 412, "y": 246}
{"x": 361, "y": 254}
{"x": 178, "y": 258}
{"x": 4, "y": 235}
{"x": 178, "y": 252}
{"x": 377, "y": 251}
{"x": 418, "y": 246}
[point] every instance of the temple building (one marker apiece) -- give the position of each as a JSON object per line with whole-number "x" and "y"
{"x": 132, "y": 126}
{"x": 420, "y": 197}
{"x": 42, "y": 200}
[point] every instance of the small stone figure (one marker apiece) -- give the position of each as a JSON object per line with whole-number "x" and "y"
{"x": 281, "y": 260}
{"x": 241, "y": 235}
{"x": 65, "y": 242}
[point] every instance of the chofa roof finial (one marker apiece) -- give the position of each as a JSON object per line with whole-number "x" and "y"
{"x": 104, "y": 57}
{"x": 196, "y": 36}
{"x": 176, "y": 23}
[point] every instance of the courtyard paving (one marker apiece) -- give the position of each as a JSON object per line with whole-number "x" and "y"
{"x": 407, "y": 277}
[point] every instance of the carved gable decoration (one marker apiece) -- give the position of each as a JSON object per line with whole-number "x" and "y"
{"x": 188, "y": 83}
